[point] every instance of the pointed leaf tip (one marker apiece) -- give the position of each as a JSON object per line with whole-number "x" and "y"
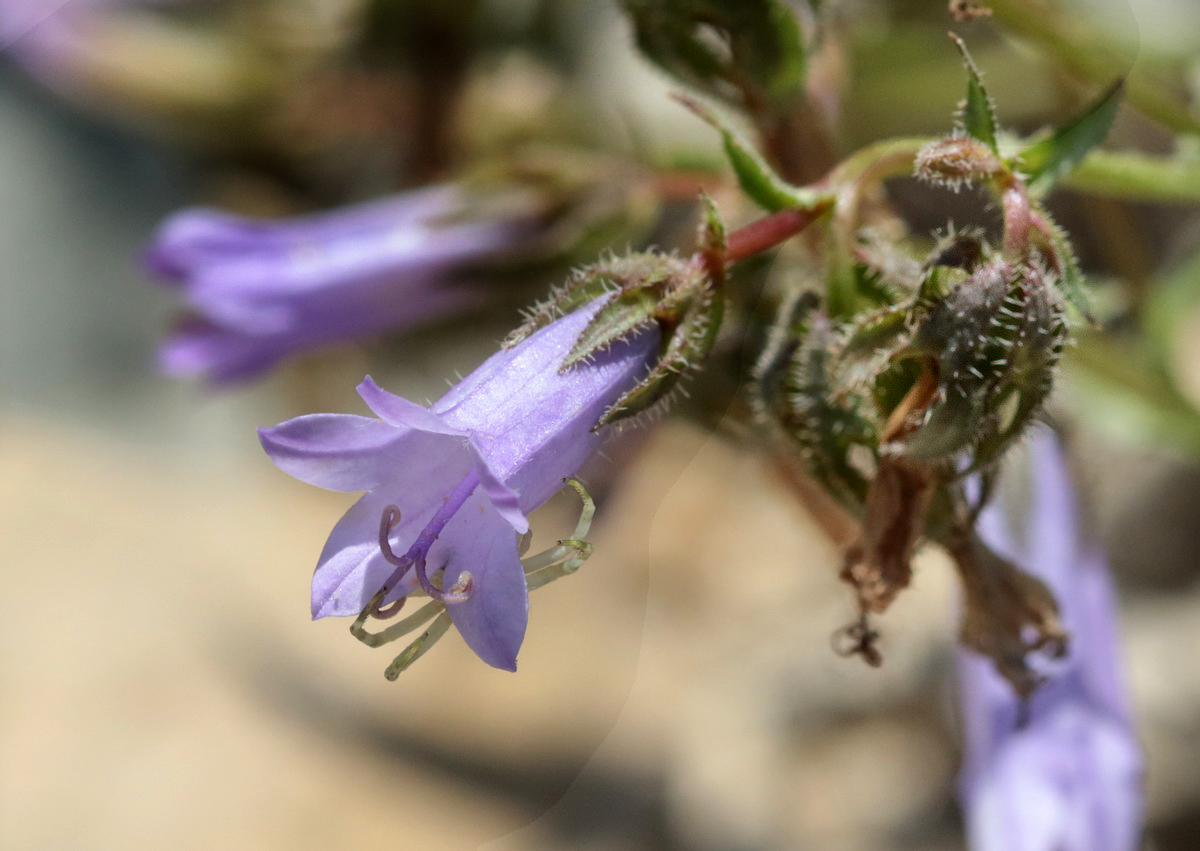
{"x": 978, "y": 110}
{"x": 755, "y": 175}
{"x": 1048, "y": 159}
{"x": 623, "y": 315}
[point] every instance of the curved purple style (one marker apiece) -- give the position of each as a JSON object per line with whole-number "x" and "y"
{"x": 464, "y": 473}
{"x": 1063, "y": 773}
{"x": 265, "y": 290}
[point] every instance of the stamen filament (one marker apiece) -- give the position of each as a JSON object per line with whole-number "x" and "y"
{"x": 400, "y": 628}
{"x": 540, "y": 570}
{"x": 541, "y": 578}
{"x": 565, "y": 549}
{"x": 418, "y": 648}
{"x": 566, "y": 558}
{"x": 589, "y": 508}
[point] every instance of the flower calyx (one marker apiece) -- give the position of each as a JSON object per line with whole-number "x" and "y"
{"x": 680, "y": 297}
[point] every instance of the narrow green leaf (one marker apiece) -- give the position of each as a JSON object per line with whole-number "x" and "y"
{"x": 978, "y": 111}
{"x": 792, "y": 66}
{"x": 652, "y": 390}
{"x": 754, "y": 174}
{"x": 741, "y": 51}
{"x": 625, "y": 312}
{"x": 582, "y": 287}
{"x": 665, "y": 34}
{"x": 1048, "y": 159}
{"x": 685, "y": 348}
{"x": 1070, "y": 281}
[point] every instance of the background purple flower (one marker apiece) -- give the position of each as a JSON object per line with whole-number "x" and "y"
{"x": 464, "y": 473}
{"x": 44, "y": 35}
{"x": 53, "y": 39}
{"x": 264, "y": 290}
{"x": 1063, "y": 773}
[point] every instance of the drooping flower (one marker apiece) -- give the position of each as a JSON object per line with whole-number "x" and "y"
{"x": 264, "y": 290}
{"x": 48, "y": 39}
{"x": 63, "y": 43}
{"x": 449, "y": 487}
{"x": 1063, "y": 770}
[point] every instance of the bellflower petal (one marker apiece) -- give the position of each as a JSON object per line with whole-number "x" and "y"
{"x": 196, "y": 346}
{"x": 351, "y": 557}
{"x": 401, "y": 413}
{"x": 333, "y": 451}
{"x": 1064, "y": 772}
{"x": 398, "y": 412}
{"x": 463, "y": 474}
{"x": 492, "y": 620}
{"x": 504, "y": 499}
{"x": 265, "y": 290}
{"x": 533, "y": 452}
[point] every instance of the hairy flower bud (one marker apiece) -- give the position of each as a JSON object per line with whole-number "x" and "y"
{"x": 889, "y": 407}
{"x": 992, "y": 343}
{"x": 956, "y": 161}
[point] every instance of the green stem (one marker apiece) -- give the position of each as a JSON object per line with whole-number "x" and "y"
{"x": 1117, "y": 174}
{"x": 878, "y": 161}
{"x": 1138, "y": 177}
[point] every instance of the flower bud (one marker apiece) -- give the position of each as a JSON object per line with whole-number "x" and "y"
{"x": 992, "y": 344}
{"x": 956, "y": 161}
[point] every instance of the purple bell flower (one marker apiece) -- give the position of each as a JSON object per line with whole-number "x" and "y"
{"x": 1064, "y": 771}
{"x": 46, "y": 38}
{"x": 265, "y": 290}
{"x": 449, "y": 487}
{"x": 54, "y": 40}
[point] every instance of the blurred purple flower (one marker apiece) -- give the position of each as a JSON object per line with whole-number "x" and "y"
{"x": 464, "y": 473}
{"x": 53, "y": 39}
{"x": 1064, "y": 772}
{"x": 264, "y": 290}
{"x": 43, "y": 35}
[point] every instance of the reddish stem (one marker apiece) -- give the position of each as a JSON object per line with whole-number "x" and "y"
{"x": 1018, "y": 216}
{"x": 769, "y": 231}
